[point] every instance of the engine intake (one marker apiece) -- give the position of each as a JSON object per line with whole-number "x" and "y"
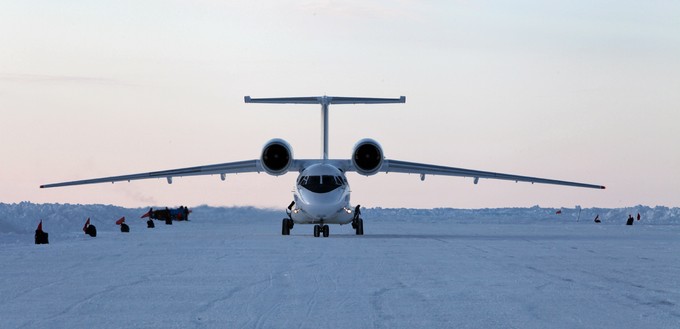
{"x": 277, "y": 156}
{"x": 367, "y": 157}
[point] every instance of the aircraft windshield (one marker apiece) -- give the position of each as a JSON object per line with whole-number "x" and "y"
{"x": 321, "y": 184}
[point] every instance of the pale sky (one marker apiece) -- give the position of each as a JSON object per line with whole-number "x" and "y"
{"x": 586, "y": 91}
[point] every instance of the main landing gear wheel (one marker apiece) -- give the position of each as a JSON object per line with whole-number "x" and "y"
{"x": 286, "y": 225}
{"x": 321, "y": 229}
{"x": 358, "y": 225}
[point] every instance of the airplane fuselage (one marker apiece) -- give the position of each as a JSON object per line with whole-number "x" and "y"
{"x": 322, "y": 196}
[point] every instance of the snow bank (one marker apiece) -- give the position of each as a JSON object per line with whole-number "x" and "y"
{"x": 19, "y": 220}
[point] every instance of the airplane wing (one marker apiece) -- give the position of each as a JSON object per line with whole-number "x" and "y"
{"x": 427, "y": 169}
{"x": 221, "y": 169}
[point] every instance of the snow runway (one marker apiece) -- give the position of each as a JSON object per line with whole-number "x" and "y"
{"x": 401, "y": 274}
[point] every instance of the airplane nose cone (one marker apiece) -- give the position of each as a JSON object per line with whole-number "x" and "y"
{"x": 320, "y": 206}
{"x": 321, "y": 211}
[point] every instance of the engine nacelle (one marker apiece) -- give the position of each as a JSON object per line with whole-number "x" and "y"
{"x": 367, "y": 157}
{"x": 277, "y": 156}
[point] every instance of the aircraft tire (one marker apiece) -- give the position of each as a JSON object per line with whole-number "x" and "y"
{"x": 360, "y": 226}
{"x": 285, "y": 228}
{"x": 326, "y": 231}
{"x": 317, "y": 231}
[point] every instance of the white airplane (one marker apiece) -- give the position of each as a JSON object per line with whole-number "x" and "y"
{"x": 322, "y": 194}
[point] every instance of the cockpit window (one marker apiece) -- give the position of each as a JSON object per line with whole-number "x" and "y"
{"x": 321, "y": 184}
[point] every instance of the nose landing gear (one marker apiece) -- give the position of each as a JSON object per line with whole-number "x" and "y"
{"x": 321, "y": 229}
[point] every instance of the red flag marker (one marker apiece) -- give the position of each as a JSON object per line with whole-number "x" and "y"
{"x": 147, "y": 214}
{"x": 40, "y": 226}
{"x": 120, "y": 221}
{"x": 86, "y": 224}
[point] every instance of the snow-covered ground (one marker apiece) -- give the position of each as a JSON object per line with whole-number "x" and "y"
{"x": 408, "y": 271}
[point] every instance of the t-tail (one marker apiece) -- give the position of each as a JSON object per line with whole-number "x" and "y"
{"x": 325, "y": 101}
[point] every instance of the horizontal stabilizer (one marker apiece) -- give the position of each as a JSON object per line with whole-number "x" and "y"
{"x": 325, "y": 100}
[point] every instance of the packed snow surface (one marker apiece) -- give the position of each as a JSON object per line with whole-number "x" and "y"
{"x": 233, "y": 269}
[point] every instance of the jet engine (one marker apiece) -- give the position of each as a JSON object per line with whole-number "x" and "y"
{"x": 277, "y": 156}
{"x": 367, "y": 157}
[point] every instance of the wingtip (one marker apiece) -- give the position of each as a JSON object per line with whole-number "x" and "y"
{"x": 42, "y": 186}
{"x": 603, "y": 187}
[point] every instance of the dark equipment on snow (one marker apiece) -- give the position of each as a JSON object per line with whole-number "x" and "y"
{"x": 124, "y": 228}
{"x": 41, "y": 237}
{"x": 167, "y": 215}
{"x": 91, "y": 230}
{"x": 179, "y": 214}
{"x": 597, "y": 219}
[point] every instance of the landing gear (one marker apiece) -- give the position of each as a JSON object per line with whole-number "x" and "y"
{"x": 321, "y": 229}
{"x": 357, "y": 222}
{"x": 358, "y": 225}
{"x": 286, "y": 225}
